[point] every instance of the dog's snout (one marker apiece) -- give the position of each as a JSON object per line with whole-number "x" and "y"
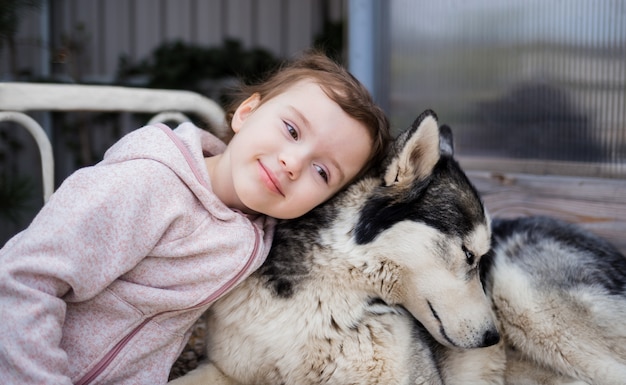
{"x": 491, "y": 337}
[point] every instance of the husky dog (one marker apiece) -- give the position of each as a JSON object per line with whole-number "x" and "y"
{"x": 397, "y": 280}
{"x": 337, "y": 299}
{"x": 559, "y": 294}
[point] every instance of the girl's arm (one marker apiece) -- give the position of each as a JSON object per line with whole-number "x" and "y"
{"x": 100, "y": 223}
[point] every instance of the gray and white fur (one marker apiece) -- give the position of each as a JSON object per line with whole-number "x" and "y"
{"x": 559, "y": 293}
{"x": 383, "y": 284}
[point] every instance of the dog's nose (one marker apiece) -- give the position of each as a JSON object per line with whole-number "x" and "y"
{"x": 491, "y": 337}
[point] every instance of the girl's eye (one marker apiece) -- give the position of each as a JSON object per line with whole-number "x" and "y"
{"x": 292, "y": 131}
{"x": 322, "y": 173}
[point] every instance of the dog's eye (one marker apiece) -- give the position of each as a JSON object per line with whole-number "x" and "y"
{"x": 469, "y": 256}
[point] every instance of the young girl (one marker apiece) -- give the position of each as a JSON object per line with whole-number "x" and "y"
{"x": 106, "y": 282}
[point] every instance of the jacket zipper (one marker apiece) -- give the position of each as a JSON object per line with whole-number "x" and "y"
{"x": 110, "y": 356}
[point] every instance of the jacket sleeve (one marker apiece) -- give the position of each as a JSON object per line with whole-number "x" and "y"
{"x": 98, "y": 225}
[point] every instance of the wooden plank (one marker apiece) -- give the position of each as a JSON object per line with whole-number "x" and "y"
{"x": 612, "y": 170}
{"x": 597, "y": 204}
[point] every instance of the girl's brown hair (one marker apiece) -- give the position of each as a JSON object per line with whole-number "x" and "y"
{"x": 340, "y": 86}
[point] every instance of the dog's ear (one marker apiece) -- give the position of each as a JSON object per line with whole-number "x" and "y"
{"x": 446, "y": 141}
{"x": 417, "y": 151}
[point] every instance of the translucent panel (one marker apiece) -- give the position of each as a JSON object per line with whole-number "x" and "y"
{"x": 519, "y": 79}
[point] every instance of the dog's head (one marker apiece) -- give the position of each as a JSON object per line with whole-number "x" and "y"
{"x": 426, "y": 228}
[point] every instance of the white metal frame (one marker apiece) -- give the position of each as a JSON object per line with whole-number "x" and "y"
{"x": 168, "y": 105}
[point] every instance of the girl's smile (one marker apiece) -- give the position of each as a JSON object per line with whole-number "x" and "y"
{"x": 269, "y": 179}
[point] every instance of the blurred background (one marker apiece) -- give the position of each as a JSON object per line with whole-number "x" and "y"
{"x": 534, "y": 86}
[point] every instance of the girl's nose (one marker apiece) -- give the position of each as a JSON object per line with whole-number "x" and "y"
{"x": 292, "y": 164}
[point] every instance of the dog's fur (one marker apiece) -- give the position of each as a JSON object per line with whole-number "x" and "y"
{"x": 381, "y": 285}
{"x": 560, "y": 296}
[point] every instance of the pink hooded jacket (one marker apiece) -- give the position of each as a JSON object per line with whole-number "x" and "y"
{"x": 105, "y": 283}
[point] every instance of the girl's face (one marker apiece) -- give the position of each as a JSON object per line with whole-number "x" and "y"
{"x": 294, "y": 151}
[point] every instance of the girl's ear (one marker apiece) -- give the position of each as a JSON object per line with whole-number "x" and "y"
{"x": 244, "y": 110}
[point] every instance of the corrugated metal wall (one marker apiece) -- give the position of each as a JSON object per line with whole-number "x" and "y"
{"x": 87, "y": 37}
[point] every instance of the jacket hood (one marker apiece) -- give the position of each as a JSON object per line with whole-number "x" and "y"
{"x": 182, "y": 150}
